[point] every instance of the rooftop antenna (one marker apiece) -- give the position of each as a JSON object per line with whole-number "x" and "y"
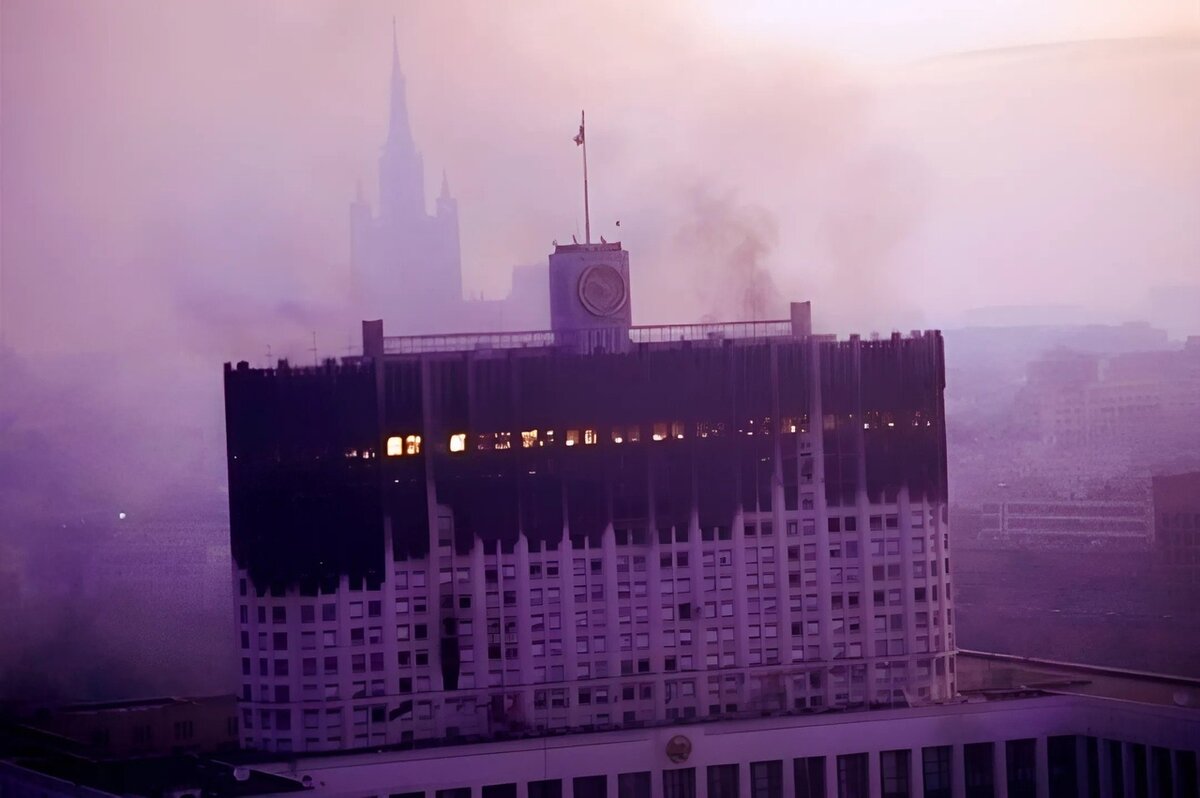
{"x": 314, "y": 347}
{"x": 581, "y": 141}
{"x": 268, "y": 356}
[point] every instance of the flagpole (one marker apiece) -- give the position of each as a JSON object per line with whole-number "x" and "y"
{"x": 587, "y": 216}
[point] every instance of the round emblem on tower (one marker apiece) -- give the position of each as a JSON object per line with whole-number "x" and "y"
{"x": 602, "y": 290}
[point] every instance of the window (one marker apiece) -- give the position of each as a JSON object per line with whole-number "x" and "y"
{"x": 893, "y": 773}
{"x": 1186, "y": 771}
{"x": 679, "y": 783}
{"x": 457, "y": 792}
{"x": 852, "y": 776}
{"x": 1022, "y": 768}
{"x": 722, "y": 781}
{"x": 634, "y": 785}
{"x": 978, "y": 770}
{"x": 547, "y": 788}
{"x": 500, "y": 791}
{"x": 766, "y": 779}
{"x": 590, "y": 787}
{"x": 935, "y": 767}
{"x": 458, "y": 443}
{"x": 1061, "y": 766}
{"x": 810, "y": 776}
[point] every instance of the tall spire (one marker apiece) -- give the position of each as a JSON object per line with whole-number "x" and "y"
{"x": 445, "y": 186}
{"x": 399, "y": 132}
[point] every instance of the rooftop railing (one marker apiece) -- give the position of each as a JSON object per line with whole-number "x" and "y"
{"x": 463, "y": 342}
{"x": 718, "y": 331}
{"x": 659, "y": 333}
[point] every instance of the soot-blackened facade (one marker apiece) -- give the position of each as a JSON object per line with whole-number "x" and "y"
{"x": 585, "y": 527}
{"x": 535, "y": 458}
{"x": 555, "y": 440}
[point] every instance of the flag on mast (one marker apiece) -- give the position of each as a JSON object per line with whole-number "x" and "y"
{"x": 580, "y": 141}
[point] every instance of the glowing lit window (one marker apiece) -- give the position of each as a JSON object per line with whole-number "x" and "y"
{"x": 458, "y": 442}
{"x": 634, "y": 435}
{"x": 617, "y": 436}
{"x": 677, "y": 430}
{"x": 529, "y": 438}
{"x": 589, "y": 436}
{"x": 660, "y": 432}
{"x": 395, "y": 446}
{"x": 412, "y": 444}
{"x": 572, "y": 437}
{"x": 503, "y": 440}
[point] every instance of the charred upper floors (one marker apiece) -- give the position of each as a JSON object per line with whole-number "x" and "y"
{"x": 554, "y": 447}
{"x": 504, "y": 541}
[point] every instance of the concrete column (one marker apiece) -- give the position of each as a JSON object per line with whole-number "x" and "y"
{"x": 916, "y": 770}
{"x": 612, "y": 625}
{"x": 1041, "y": 757}
{"x": 1000, "y": 769}
{"x": 744, "y": 780}
{"x": 874, "y": 785}
{"x": 653, "y": 599}
{"x": 788, "y": 782}
{"x": 522, "y": 584}
{"x": 831, "y": 775}
{"x": 958, "y": 772}
{"x": 741, "y": 611}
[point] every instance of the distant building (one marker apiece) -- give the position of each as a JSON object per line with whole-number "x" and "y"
{"x": 144, "y": 727}
{"x": 406, "y": 265}
{"x": 1177, "y": 521}
{"x": 590, "y": 526}
{"x": 1068, "y": 522}
{"x": 1144, "y": 400}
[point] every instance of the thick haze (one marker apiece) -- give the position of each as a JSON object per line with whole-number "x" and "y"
{"x": 175, "y": 179}
{"x": 182, "y": 170}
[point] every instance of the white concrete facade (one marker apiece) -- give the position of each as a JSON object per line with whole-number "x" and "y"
{"x": 785, "y": 611}
{"x": 1096, "y": 731}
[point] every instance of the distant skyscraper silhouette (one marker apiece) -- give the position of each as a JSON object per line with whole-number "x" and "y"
{"x": 405, "y": 261}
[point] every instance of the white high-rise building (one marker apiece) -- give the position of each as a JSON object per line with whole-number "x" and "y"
{"x": 594, "y": 526}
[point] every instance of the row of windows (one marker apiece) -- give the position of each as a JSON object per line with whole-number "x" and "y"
{"x": 1174, "y": 773}
{"x": 457, "y": 443}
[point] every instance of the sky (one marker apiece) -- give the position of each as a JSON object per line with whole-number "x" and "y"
{"x": 176, "y": 175}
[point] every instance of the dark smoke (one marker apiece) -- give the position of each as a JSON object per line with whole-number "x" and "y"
{"x": 726, "y": 246}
